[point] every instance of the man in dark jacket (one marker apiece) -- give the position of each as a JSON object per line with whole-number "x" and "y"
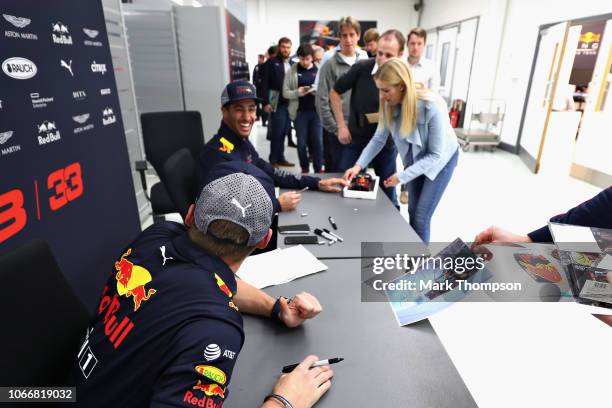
{"x": 257, "y": 73}
{"x": 596, "y": 212}
{"x": 274, "y": 103}
{"x": 361, "y": 126}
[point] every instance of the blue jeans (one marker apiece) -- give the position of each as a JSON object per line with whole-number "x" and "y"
{"x": 309, "y": 134}
{"x": 424, "y": 195}
{"x": 384, "y": 164}
{"x": 279, "y": 121}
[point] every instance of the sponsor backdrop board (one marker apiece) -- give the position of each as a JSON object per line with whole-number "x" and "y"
{"x": 63, "y": 155}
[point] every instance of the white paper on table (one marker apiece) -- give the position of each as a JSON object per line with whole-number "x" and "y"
{"x": 279, "y": 266}
{"x": 573, "y": 238}
{"x": 606, "y": 262}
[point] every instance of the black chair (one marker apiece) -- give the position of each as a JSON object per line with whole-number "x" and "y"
{"x": 163, "y": 134}
{"x": 43, "y": 320}
{"x": 178, "y": 176}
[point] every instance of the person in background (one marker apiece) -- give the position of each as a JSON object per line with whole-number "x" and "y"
{"x": 297, "y": 89}
{"x": 275, "y": 104}
{"x": 423, "y": 71}
{"x": 370, "y": 39}
{"x": 423, "y": 136}
{"x": 356, "y": 134}
{"x": 330, "y": 71}
{"x": 169, "y": 328}
{"x": 317, "y": 56}
{"x": 257, "y": 82}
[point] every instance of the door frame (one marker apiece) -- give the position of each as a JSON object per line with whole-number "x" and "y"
{"x": 532, "y": 162}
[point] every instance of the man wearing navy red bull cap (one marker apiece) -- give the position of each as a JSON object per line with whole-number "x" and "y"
{"x": 168, "y": 328}
{"x": 239, "y": 107}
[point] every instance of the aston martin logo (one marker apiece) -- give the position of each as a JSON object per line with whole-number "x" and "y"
{"x": 91, "y": 33}
{"x": 81, "y": 118}
{"x": 4, "y": 136}
{"x": 18, "y": 22}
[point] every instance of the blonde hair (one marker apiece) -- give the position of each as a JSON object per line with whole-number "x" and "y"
{"x": 396, "y": 72}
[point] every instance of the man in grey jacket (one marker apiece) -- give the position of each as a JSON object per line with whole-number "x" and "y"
{"x": 338, "y": 65}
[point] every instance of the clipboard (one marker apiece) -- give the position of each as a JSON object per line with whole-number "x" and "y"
{"x": 372, "y": 117}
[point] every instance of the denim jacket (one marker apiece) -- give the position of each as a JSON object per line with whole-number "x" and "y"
{"x": 433, "y": 142}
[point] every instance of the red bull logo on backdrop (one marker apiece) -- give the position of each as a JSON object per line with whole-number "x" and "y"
{"x": 131, "y": 280}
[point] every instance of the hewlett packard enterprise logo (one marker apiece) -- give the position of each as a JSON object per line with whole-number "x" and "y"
{"x": 19, "y": 68}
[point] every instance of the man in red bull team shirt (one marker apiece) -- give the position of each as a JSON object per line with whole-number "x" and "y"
{"x": 168, "y": 328}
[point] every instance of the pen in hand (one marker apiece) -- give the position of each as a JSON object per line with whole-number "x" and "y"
{"x": 291, "y": 367}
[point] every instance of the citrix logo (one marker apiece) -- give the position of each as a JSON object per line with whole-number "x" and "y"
{"x": 100, "y": 68}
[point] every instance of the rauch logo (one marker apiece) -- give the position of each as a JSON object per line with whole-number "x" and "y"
{"x": 19, "y": 68}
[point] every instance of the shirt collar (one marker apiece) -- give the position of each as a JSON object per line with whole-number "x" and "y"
{"x": 375, "y": 69}
{"x": 226, "y": 132}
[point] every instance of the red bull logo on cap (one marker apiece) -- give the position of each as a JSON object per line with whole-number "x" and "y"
{"x": 210, "y": 389}
{"x": 131, "y": 280}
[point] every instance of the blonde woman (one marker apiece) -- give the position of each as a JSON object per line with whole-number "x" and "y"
{"x": 420, "y": 128}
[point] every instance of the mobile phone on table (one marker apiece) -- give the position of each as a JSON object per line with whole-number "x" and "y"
{"x": 302, "y": 239}
{"x": 299, "y": 229}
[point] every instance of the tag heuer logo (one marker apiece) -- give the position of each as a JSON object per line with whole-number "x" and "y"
{"x": 19, "y": 68}
{"x": 19, "y": 22}
{"x": 81, "y": 118}
{"x": 4, "y": 136}
{"x": 91, "y": 33}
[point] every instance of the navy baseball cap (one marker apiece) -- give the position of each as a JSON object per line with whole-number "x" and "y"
{"x": 238, "y": 192}
{"x": 238, "y": 91}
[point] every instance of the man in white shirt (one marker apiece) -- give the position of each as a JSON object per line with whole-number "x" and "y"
{"x": 423, "y": 69}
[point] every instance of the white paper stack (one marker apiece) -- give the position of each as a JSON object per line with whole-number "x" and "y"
{"x": 279, "y": 266}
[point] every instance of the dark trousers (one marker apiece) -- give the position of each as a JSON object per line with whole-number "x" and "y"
{"x": 328, "y": 151}
{"x": 309, "y": 135}
{"x": 279, "y": 121}
{"x": 384, "y": 164}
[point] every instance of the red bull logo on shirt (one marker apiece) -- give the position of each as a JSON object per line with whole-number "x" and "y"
{"x": 131, "y": 280}
{"x": 226, "y": 145}
{"x": 210, "y": 389}
{"x": 224, "y": 288}
{"x": 205, "y": 402}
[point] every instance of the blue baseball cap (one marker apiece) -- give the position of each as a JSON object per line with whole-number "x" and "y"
{"x": 238, "y": 91}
